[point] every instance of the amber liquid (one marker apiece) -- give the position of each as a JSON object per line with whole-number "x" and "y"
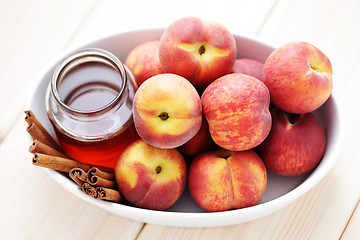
{"x": 89, "y": 88}
{"x": 104, "y": 152}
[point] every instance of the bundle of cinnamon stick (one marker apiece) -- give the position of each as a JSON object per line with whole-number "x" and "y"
{"x": 96, "y": 181}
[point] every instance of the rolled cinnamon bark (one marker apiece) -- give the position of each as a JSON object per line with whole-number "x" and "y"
{"x": 78, "y": 175}
{"x": 107, "y": 194}
{"x": 30, "y": 118}
{"x": 101, "y": 182}
{"x": 39, "y": 147}
{"x": 63, "y": 164}
{"x": 98, "y": 178}
{"x": 40, "y": 133}
{"x": 58, "y": 163}
{"x": 37, "y": 134}
{"x": 97, "y": 172}
{"x": 88, "y": 189}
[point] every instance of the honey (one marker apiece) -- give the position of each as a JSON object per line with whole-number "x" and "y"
{"x": 90, "y": 107}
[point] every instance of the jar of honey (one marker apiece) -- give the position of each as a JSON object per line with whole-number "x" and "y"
{"x": 89, "y": 103}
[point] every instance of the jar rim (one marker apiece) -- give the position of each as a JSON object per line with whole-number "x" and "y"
{"x": 90, "y": 55}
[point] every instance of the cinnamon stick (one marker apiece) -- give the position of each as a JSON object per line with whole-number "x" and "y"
{"x": 88, "y": 189}
{"x": 37, "y": 134}
{"x": 63, "y": 164}
{"x": 78, "y": 175}
{"x": 98, "y": 178}
{"x": 107, "y": 194}
{"x": 96, "y": 181}
{"x": 101, "y": 182}
{"x": 58, "y": 163}
{"x": 102, "y": 193}
{"x": 97, "y": 172}
{"x": 30, "y": 118}
{"x": 39, "y": 147}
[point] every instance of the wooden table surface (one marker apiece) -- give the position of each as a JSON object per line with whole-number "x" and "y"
{"x": 34, "y": 32}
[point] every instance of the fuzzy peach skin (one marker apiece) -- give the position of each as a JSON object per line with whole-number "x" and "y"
{"x": 199, "y": 50}
{"x": 236, "y": 107}
{"x": 150, "y": 177}
{"x": 224, "y": 180}
{"x": 144, "y": 61}
{"x": 167, "y": 111}
{"x": 299, "y": 77}
{"x": 295, "y": 145}
{"x": 250, "y": 67}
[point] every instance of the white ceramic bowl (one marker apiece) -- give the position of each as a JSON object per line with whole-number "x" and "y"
{"x": 280, "y": 191}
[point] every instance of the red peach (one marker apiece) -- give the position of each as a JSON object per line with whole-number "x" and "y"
{"x": 199, "y": 50}
{"x": 250, "y": 67}
{"x": 200, "y": 143}
{"x": 224, "y": 180}
{"x": 299, "y": 77}
{"x": 236, "y": 108}
{"x": 295, "y": 145}
{"x": 144, "y": 61}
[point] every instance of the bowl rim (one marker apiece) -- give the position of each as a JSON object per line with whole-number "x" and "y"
{"x": 195, "y": 219}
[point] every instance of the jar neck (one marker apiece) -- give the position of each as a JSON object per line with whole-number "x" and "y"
{"x": 97, "y": 56}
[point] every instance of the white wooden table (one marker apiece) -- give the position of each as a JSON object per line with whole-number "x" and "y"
{"x": 34, "y": 32}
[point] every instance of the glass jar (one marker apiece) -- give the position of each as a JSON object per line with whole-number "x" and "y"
{"x": 89, "y": 103}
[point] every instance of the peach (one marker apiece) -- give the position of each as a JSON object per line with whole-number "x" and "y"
{"x": 167, "y": 111}
{"x": 295, "y": 145}
{"x": 150, "y": 177}
{"x": 299, "y": 77}
{"x": 236, "y": 108}
{"x": 199, "y": 50}
{"x": 224, "y": 180}
{"x": 144, "y": 61}
{"x": 250, "y": 67}
{"x": 200, "y": 143}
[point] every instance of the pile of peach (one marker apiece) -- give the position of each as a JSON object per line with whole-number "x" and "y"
{"x": 204, "y": 120}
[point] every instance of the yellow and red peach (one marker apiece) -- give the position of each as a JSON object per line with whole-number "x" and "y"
{"x": 236, "y": 108}
{"x": 199, "y": 50}
{"x": 299, "y": 77}
{"x": 144, "y": 61}
{"x": 167, "y": 111}
{"x": 224, "y": 180}
{"x": 150, "y": 177}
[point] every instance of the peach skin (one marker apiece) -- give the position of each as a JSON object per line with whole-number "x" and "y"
{"x": 199, "y": 50}
{"x": 167, "y": 111}
{"x": 224, "y": 180}
{"x": 150, "y": 177}
{"x": 236, "y": 107}
{"x": 144, "y": 61}
{"x": 299, "y": 77}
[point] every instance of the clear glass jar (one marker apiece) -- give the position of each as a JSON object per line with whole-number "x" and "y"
{"x": 89, "y": 103}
